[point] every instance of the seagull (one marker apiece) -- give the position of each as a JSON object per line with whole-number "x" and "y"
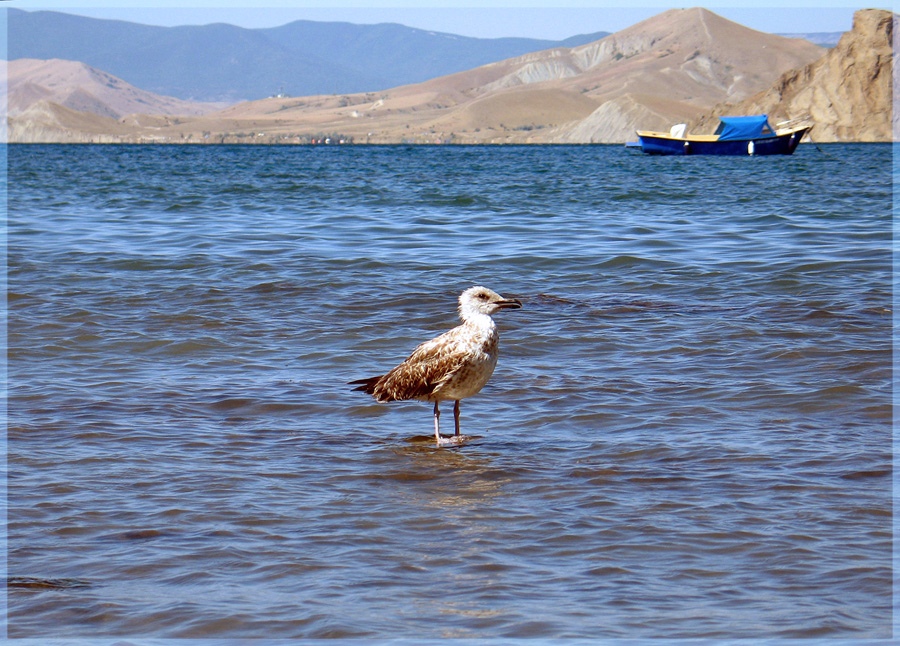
{"x": 455, "y": 365}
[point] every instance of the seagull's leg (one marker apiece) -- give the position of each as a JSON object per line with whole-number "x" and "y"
{"x": 456, "y": 416}
{"x": 437, "y": 423}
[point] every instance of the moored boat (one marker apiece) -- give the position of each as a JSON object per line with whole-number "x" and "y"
{"x": 751, "y": 135}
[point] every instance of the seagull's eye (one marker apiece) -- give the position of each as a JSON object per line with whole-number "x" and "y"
{"x": 482, "y": 296}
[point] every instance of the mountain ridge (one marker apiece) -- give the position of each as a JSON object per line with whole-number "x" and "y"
{"x": 225, "y": 63}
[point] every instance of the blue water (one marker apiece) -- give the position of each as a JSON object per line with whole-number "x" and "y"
{"x": 688, "y": 433}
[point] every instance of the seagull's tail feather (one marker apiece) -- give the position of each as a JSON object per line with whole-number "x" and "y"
{"x": 366, "y": 385}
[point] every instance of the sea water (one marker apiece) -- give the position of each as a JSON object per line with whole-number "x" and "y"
{"x": 688, "y": 433}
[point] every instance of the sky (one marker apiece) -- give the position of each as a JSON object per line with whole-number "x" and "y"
{"x": 486, "y": 19}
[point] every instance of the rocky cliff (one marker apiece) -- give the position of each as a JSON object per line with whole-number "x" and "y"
{"x": 847, "y": 93}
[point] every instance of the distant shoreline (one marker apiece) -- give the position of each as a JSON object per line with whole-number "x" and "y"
{"x": 376, "y": 145}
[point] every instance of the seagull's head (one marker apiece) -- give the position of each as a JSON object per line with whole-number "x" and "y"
{"x": 481, "y": 300}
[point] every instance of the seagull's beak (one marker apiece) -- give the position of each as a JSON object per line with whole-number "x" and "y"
{"x": 508, "y": 304}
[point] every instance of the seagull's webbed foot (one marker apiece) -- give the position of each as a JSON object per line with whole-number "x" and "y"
{"x": 448, "y": 440}
{"x": 452, "y": 440}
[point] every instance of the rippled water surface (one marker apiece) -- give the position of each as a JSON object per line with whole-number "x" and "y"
{"x": 688, "y": 433}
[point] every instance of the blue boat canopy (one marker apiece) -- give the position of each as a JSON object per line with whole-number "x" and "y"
{"x": 731, "y": 128}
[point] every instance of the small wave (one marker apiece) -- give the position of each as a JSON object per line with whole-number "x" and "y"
{"x": 628, "y": 261}
{"x": 552, "y": 299}
{"x": 454, "y": 200}
{"x": 37, "y": 583}
{"x": 182, "y": 348}
{"x": 874, "y": 473}
{"x": 180, "y": 207}
{"x": 232, "y": 403}
{"x": 139, "y": 535}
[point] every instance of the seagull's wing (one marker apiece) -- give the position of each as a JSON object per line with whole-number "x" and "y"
{"x": 429, "y": 366}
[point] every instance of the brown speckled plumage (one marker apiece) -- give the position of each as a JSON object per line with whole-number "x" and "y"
{"x": 452, "y": 366}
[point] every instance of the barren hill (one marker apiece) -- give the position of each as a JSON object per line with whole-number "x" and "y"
{"x": 82, "y": 88}
{"x": 675, "y": 64}
{"x": 847, "y": 93}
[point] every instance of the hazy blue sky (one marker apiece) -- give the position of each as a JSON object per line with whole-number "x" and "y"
{"x": 531, "y": 18}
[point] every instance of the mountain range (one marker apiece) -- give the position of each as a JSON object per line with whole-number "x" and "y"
{"x": 674, "y": 67}
{"x": 222, "y": 63}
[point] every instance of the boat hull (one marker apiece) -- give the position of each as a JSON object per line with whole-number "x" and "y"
{"x": 782, "y": 144}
